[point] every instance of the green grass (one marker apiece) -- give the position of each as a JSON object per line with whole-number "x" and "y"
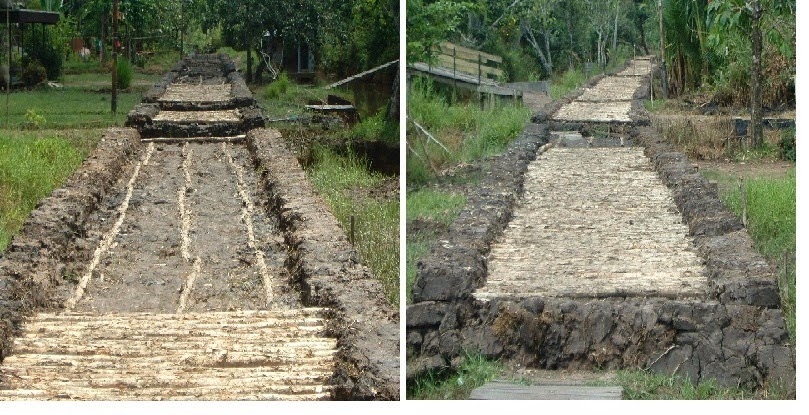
{"x": 561, "y": 85}
{"x": 434, "y": 206}
{"x": 474, "y": 371}
{"x": 467, "y": 132}
{"x": 655, "y": 105}
{"x": 31, "y": 166}
{"x": 342, "y": 180}
{"x": 282, "y": 99}
{"x": 639, "y": 384}
{"x": 771, "y": 213}
{"x": 70, "y": 107}
{"x": 50, "y": 131}
{"x": 376, "y": 128}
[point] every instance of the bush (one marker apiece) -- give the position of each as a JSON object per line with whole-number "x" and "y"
{"x": 34, "y": 74}
{"x": 44, "y": 48}
{"x": 33, "y": 120}
{"x": 125, "y": 72}
{"x": 278, "y": 88}
{"x": 787, "y": 145}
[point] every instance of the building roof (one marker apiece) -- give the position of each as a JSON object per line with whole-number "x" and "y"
{"x": 29, "y": 16}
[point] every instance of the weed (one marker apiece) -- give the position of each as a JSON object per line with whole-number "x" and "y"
{"x": 568, "y": 81}
{"x": 771, "y": 217}
{"x": 434, "y": 205}
{"x": 277, "y": 88}
{"x": 639, "y": 384}
{"x": 474, "y": 371}
{"x": 30, "y": 168}
{"x": 376, "y": 128}
{"x": 125, "y": 73}
{"x": 702, "y": 138}
{"x": 33, "y": 120}
{"x": 340, "y": 179}
{"x": 787, "y": 145}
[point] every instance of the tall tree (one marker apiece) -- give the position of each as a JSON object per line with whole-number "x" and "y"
{"x": 747, "y": 16}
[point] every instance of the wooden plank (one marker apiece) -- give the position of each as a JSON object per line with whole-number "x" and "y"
{"x": 361, "y": 74}
{"x": 330, "y": 107}
{"x": 468, "y": 67}
{"x": 510, "y": 391}
{"x": 467, "y": 53}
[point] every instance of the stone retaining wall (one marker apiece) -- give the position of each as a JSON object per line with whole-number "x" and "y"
{"x": 325, "y": 266}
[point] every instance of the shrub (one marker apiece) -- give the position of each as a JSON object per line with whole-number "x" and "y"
{"x": 48, "y": 50}
{"x": 33, "y": 120}
{"x": 34, "y": 74}
{"x": 125, "y": 72}
{"x": 278, "y": 88}
{"x": 787, "y": 145}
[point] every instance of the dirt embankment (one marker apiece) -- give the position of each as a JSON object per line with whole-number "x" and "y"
{"x": 327, "y": 271}
{"x": 33, "y": 268}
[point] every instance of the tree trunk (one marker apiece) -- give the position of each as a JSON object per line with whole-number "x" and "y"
{"x": 262, "y": 66}
{"x": 615, "y": 35}
{"x": 755, "y": 104}
{"x": 572, "y": 44}
{"x": 547, "y": 35}
{"x": 643, "y": 42}
{"x": 393, "y": 106}
{"x": 249, "y": 64}
{"x": 529, "y": 35}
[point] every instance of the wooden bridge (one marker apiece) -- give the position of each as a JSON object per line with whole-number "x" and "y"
{"x": 465, "y": 68}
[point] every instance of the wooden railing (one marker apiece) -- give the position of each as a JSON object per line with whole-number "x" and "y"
{"x": 469, "y": 61}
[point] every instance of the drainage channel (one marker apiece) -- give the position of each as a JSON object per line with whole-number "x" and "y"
{"x": 186, "y": 295}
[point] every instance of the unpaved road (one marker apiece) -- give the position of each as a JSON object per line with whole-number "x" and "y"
{"x": 186, "y": 295}
{"x": 595, "y": 222}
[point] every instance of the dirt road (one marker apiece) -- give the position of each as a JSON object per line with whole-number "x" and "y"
{"x": 185, "y": 292}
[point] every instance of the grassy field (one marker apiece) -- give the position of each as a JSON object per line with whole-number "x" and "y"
{"x": 48, "y": 133}
{"x": 468, "y": 134}
{"x": 31, "y": 166}
{"x": 344, "y": 181}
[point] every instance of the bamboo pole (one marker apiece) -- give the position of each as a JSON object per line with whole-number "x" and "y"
{"x": 662, "y": 49}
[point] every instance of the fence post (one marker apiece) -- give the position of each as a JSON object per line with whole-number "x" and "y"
{"x": 351, "y": 235}
{"x": 744, "y": 202}
{"x": 454, "y": 79}
{"x": 479, "y": 69}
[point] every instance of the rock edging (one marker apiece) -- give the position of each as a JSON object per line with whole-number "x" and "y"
{"x": 325, "y": 266}
{"x": 31, "y": 268}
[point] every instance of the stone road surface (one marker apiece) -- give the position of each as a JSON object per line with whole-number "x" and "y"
{"x": 595, "y": 222}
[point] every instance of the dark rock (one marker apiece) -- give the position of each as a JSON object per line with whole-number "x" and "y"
{"x": 450, "y": 321}
{"x": 425, "y": 314}
{"x": 449, "y": 343}
{"x": 534, "y": 305}
{"x": 413, "y": 340}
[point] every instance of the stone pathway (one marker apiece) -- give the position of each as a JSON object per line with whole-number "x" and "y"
{"x": 595, "y": 222}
